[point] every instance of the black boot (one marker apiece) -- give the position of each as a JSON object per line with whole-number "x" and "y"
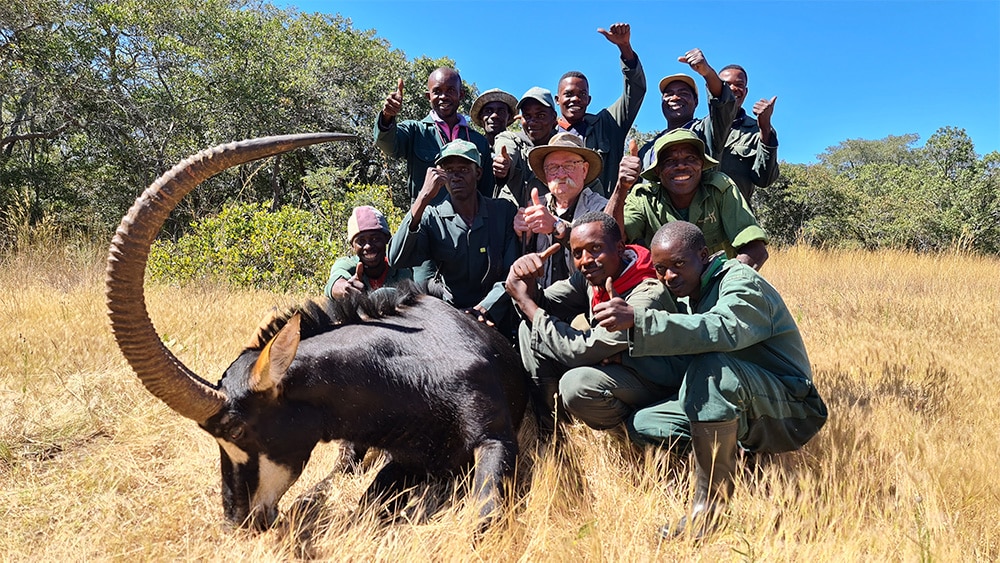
{"x": 714, "y": 447}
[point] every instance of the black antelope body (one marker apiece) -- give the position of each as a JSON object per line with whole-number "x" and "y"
{"x": 402, "y": 372}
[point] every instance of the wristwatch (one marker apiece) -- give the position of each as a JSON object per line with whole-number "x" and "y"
{"x": 560, "y": 229}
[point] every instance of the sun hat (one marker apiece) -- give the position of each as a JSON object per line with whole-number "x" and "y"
{"x": 677, "y": 137}
{"x": 493, "y": 95}
{"x": 565, "y": 142}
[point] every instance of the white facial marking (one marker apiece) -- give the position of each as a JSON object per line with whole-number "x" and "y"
{"x": 235, "y": 454}
{"x": 273, "y": 481}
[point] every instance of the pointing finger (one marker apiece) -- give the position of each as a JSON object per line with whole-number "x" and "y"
{"x": 548, "y": 252}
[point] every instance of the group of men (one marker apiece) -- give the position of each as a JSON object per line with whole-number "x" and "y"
{"x": 627, "y": 277}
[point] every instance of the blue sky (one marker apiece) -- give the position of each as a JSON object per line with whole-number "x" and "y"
{"x": 840, "y": 69}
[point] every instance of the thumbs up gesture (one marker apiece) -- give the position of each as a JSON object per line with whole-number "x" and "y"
{"x": 344, "y": 287}
{"x": 629, "y": 168}
{"x": 393, "y": 103}
{"x": 615, "y": 313}
{"x": 537, "y": 216}
{"x": 501, "y": 164}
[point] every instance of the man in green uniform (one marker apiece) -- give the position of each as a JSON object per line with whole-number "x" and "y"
{"x": 368, "y": 234}
{"x": 748, "y": 382}
{"x": 514, "y": 176}
{"x": 567, "y": 361}
{"x": 681, "y": 187}
{"x": 605, "y": 131}
{"x": 679, "y": 99}
{"x": 468, "y": 238}
{"x": 419, "y": 142}
{"x": 751, "y": 154}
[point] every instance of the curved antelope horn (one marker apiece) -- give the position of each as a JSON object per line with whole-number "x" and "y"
{"x": 161, "y": 372}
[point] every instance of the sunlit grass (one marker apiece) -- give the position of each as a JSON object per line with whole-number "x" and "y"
{"x": 904, "y": 349}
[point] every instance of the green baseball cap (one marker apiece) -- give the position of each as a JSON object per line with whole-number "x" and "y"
{"x": 677, "y": 137}
{"x": 460, "y": 148}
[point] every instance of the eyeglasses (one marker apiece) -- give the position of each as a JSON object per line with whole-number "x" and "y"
{"x": 688, "y": 161}
{"x": 568, "y": 167}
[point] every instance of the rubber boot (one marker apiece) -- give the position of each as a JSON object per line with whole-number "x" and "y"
{"x": 714, "y": 447}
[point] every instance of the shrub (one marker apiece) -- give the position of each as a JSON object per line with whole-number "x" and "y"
{"x": 248, "y": 246}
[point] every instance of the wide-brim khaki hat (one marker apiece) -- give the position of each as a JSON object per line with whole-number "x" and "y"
{"x": 565, "y": 142}
{"x": 677, "y": 137}
{"x": 493, "y": 95}
{"x": 679, "y": 77}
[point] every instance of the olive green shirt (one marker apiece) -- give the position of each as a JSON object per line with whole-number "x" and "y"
{"x": 749, "y": 162}
{"x": 346, "y": 267}
{"x": 718, "y": 209}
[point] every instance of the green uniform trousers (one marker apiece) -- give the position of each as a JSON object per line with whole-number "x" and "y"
{"x": 776, "y": 413}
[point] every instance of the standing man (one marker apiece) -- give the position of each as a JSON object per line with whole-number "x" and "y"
{"x": 748, "y": 383}
{"x": 493, "y": 111}
{"x": 681, "y": 187}
{"x": 420, "y": 142}
{"x": 368, "y": 234}
{"x": 515, "y": 178}
{"x": 571, "y": 363}
{"x": 466, "y": 236}
{"x": 567, "y": 167}
{"x": 680, "y": 99}
{"x": 605, "y": 131}
{"x": 751, "y": 154}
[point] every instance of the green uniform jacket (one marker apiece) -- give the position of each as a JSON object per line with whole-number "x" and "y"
{"x": 520, "y": 179}
{"x": 606, "y": 131}
{"x": 718, "y": 209}
{"x": 747, "y": 160}
{"x": 472, "y": 261}
{"x": 420, "y": 142}
{"x": 555, "y": 339}
{"x": 346, "y": 267}
{"x": 739, "y": 313}
{"x": 713, "y": 129}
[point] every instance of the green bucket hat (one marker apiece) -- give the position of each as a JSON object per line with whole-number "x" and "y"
{"x": 460, "y": 148}
{"x": 677, "y": 137}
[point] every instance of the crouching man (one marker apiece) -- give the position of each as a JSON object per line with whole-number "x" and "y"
{"x": 588, "y": 370}
{"x": 748, "y": 383}
{"x": 368, "y": 270}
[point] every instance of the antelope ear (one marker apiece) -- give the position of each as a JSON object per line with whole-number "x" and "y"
{"x": 276, "y": 357}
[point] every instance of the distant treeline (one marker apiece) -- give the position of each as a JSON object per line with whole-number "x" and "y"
{"x": 99, "y": 98}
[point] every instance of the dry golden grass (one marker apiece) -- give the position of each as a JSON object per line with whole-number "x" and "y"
{"x": 904, "y": 349}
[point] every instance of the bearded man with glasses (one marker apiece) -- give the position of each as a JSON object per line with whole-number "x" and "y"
{"x": 681, "y": 186}
{"x": 567, "y": 167}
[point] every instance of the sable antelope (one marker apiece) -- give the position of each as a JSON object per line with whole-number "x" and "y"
{"x": 401, "y": 372}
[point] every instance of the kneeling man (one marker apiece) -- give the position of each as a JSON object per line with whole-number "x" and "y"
{"x": 590, "y": 370}
{"x": 748, "y": 383}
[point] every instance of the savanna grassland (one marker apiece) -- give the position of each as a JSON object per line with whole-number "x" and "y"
{"x": 904, "y": 349}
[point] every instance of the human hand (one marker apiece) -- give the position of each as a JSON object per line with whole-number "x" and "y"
{"x": 434, "y": 180}
{"x": 348, "y": 286}
{"x": 629, "y": 168}
{"x": 480, "y": 314}
{"x": 537, "y": 216}
{"x": 619, "y": 33}
{"x": 501, "y": 164}
{"x": 532, "y": 265}
{"x": 616, "y": 313}
{"x": 696, "y": 60}
{"x": 393, "y": 102}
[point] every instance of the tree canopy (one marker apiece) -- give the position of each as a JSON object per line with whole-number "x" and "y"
{"x": 98, "y": 98}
